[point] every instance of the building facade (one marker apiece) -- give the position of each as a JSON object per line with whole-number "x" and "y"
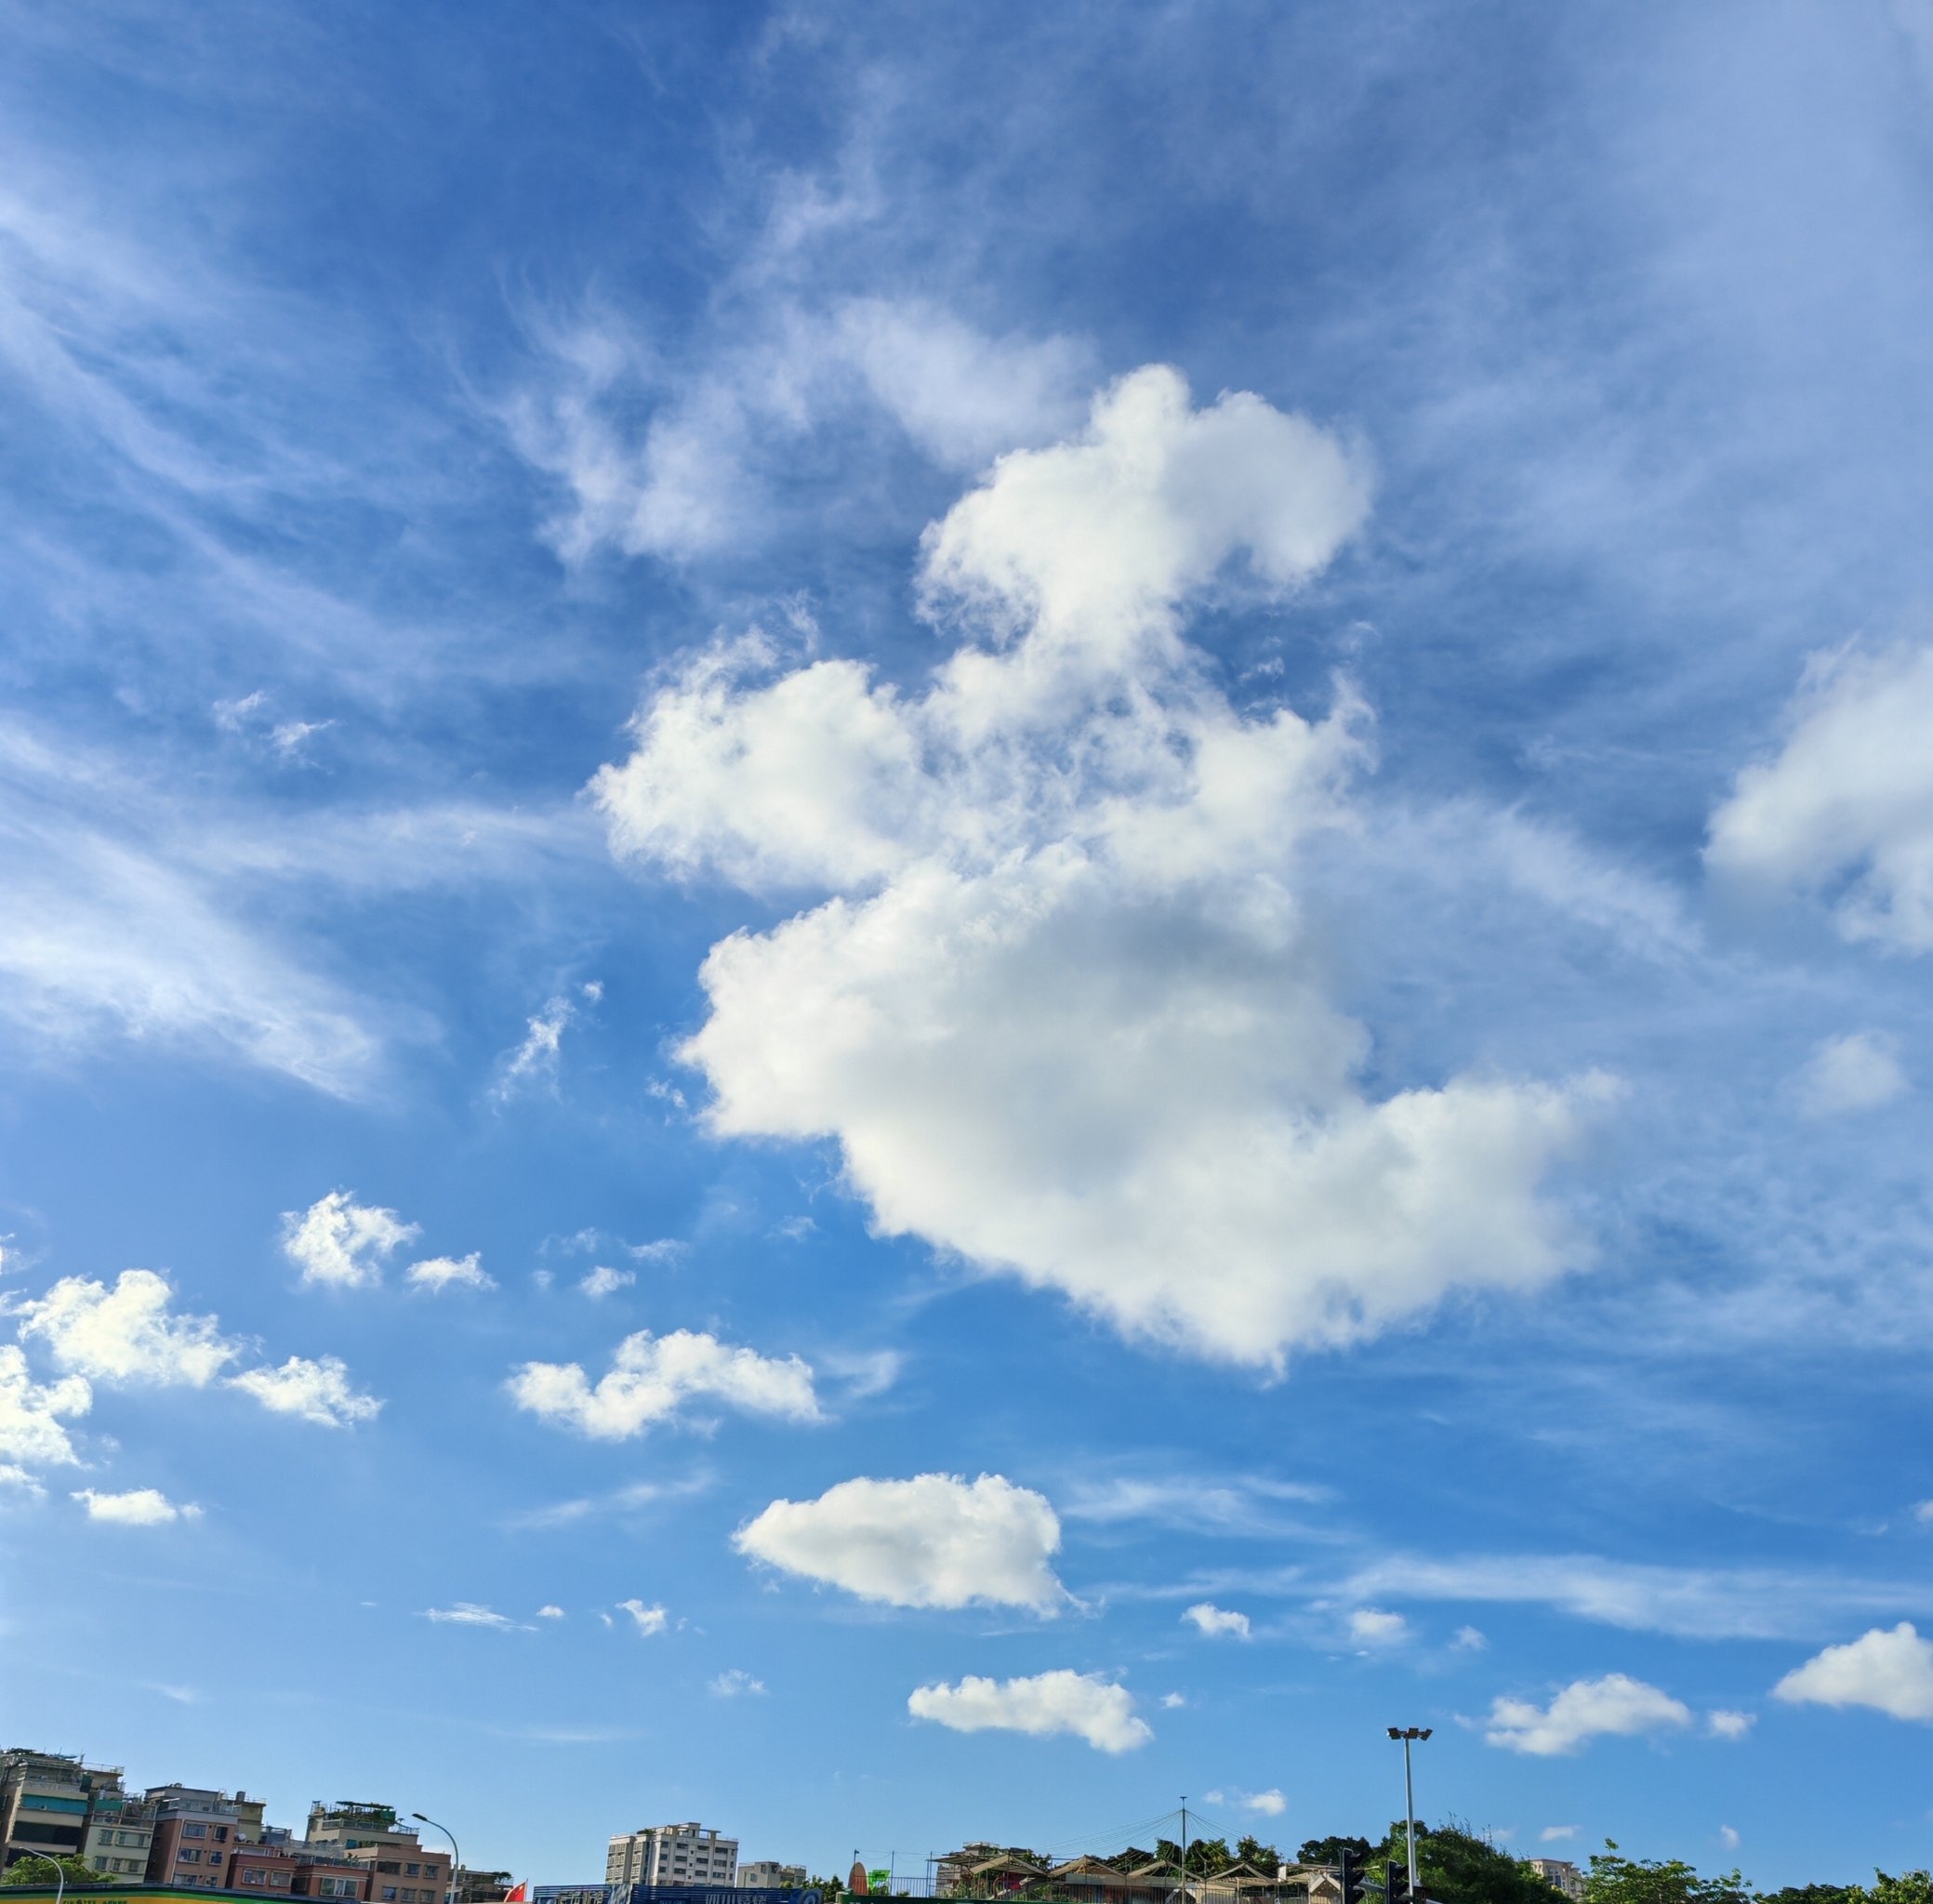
{"x": 768, "y": 1874}
{"x": 47, "y": 1801}
{"x": 120, "y": 1833}
{"x": 1561, "y": 1874}
{"x": 685, "y": 1854}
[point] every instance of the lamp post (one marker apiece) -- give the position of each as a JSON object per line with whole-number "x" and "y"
{"x": 455, "y": 1856}
{"x": 1405, "y": 1733}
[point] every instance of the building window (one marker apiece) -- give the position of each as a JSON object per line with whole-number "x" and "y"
{"x": 188, "y": 1857}
{"x": 389, "y": 1893}
{"x": 194, "y": 1831}
{"x": 222, "y": 1833}
{"x": 251, "y": 1877}
{"x": 410, "y": 1870}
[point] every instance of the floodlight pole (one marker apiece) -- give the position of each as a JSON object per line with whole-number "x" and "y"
{"x": 1407, "y": 1733}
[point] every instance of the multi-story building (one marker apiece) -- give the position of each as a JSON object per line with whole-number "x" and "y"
{"x": 120, "y": 1834}
{"x": 195, "y": 1828}
{"x": 1561, "y": 1874}
{"x": 352, "y": 1824}
{"x": 403, "y": 1874}
{"x": 685, "y": 1854}
{"x": 45, "y": 1801}
{"x": 768, "y": 1874}
{"x": 275, "y": 1871}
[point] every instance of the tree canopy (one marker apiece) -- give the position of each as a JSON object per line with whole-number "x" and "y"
{"x": 37, "y": 1867}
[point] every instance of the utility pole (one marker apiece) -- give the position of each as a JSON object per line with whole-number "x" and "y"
{"x": 1408, "y": 1733}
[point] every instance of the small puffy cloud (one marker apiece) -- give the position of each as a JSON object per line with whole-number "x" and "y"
{"x": 436, "y": 1273}
{"x": 468, "y": 1613}
{"x": 318, "y": 1391}
{"x": 1727, "y": 1837}
{"x": 1554, "y": 1835}
{"x": 935, "y": 1541}
{"x": 31, "y": 1428}
{"x": 1173, "y": 1701}
{"x": 1615, "y": 1706}
{"x": 647, "y": 1620}
{"x": 1217, "y": 1622}
{"x": 341, "y": 1242}
{"x": 126, "y": 1333}
{"x": 1064, "y": 1701}
{"x": 1721, "y": 1724}
{"x": 1469, "y": 1639}
{"x": 652, "y": 1378}
{"x": 1270, "y": 1804}
{"x": 549, "y": 1613}
{"x": 1890, "y": 1671}
{"x": 1858, "y": 1072}
{"x": 734, "y": 1684}
{"x": 1369, "y": 1626}
{"x": 603, "y": 1282}
{"x": 1847, "y": 804}
{"x": 140, "y": 1507}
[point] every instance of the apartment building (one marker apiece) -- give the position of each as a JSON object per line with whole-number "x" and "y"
{"x": 355, "y": 1824}
{"x": 403, "y": 1874}
{"x": 1561, "y": 1874}
{"x": 195, "y": 1828}
{"x": 685, "y": 1854}
{"x": 46, "y": 1800}
{"x": 768, "y": 1874}
{"x": 120, "y": 1834}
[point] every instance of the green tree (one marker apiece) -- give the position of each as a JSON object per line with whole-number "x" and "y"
{"x": 1455, "y": 1866}
{"x": 1914, "y": 1888}
{"x": 39, "y": 1868}
{"x": 1331, "y": 1850}
{"x": 1264, "y": 1857}
{"x": 1615, "y": 1879}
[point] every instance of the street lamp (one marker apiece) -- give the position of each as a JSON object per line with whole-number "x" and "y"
{"x": 455, "y": 1856}
{"x": 1405, "y": 1733}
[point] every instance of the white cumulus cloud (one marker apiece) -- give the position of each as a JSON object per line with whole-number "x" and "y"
{"x": 603, "y": 1281}
{"x": 340, "y": 1241}
{"x": 1847, "y": 804}
{"x": 935, "y": 1541}
{"x": 550, "y": 1613}
{"x": 126, "y": 1333}
{"x": 1554, "y": 1835}
{"x": 735, "y": 1682}
{"x": 652, "y": 1378}
{"x": 1217, "y": 1622}
{"x": 1615, "y": 1706}
{"x": 1064, "y": 1701}
{"x": 1470, "y": 1639}
{"x": 1888, "y": 1669}
{"x": 1858, "y": 1072}
{"x": 138, "y": 1507}
{"x": 450, "y": 1273}
{"x": 647, "y": 1620}
{"x": 1721, "y": 1724}
{"x": 319, "y": 1391}
{"x": 1371, "y": 1626}
{"x": 1057, "y": 1003}
{"x": 31, "y": 1428}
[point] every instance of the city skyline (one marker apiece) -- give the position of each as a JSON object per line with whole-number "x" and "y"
{"x": 920, "y": 921}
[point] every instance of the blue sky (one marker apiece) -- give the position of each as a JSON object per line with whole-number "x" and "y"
{"x": 914, "y": 923}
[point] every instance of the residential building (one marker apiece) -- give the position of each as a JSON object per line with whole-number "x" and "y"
{"x": 352, "y": 1824}
{"x": 45, "y": 1802}
{"x": 403, "y": 1874}
{"x": 120, "y": 1834}
{"x": 194, "y": 1831}
{"x": 1561, "y": 1874}
{"x": 686, "y": 1854}
{"x": 479, "y": 1886}
{"x": 768, "y": 1874}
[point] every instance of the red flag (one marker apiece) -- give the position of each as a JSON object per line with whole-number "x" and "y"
{"x": 517, "y": 1894}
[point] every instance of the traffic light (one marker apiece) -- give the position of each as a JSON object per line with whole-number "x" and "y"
{"x": 1352, "y": 1880}
{"x": 1395, "y": 1881}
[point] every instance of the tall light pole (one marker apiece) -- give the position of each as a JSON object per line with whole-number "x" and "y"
{"x": 1405, "y": 1733}
{"x": 455, "y": 1856}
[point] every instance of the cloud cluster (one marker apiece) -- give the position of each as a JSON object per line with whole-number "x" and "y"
{"x": 935, "y": 1541}
{"x": 1615, "y": 1706}
{"x": 1060, "y": 1011}
{"x": 138, "y": 1507}
{"x": 1844, "y": 1076}
{"x": 1847, "y": 804}
{"x": 342, "y": 1243}
{"x": 129, "y": 1334}
{"x": 1217, "y": 1622}
{"x": 1889, "y": 1670}
{"x": 652, "y": 1379}
{"x": 1083, "y": 1704}
{"x": 437, "y": 1272}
